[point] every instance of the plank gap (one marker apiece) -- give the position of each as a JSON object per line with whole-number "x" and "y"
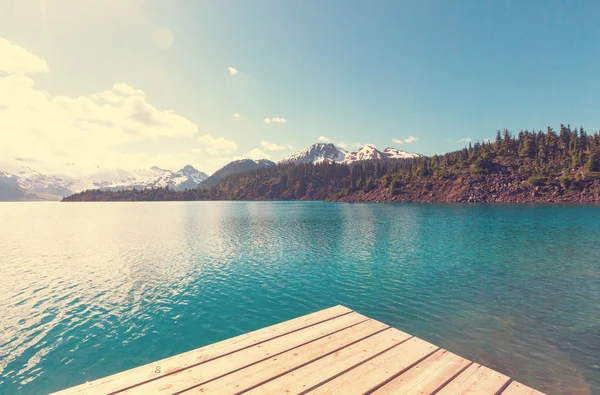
{"x": 354, "y": 366}
{"x": 504, "y": 387}
{"x": 452, "y": 378}
{"x": 309, "y": 362}
{"x": 269, "y": 357}
{"x": 401, "y": 372}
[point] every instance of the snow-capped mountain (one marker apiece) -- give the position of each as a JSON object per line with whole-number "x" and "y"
{"x": 9, "y": 188}
{"x": 237, "y": 166}
{"x": 187, "y": 177}
{"x": 318, "y": 153}
{"x": 393, "y": 153}
{"x": 194, "y": 177}
{"x": 34, "y": 185}
{"x": 193, "y": 174}
{"x": 368, "y": 152}
{"x": 18, "y": 182}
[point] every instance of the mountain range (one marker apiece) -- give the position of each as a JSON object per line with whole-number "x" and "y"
{"x": 320, "y": 152}
{"x": 528, "y": 167}
{"x": 21, "y": 182}
{"x": 24, "y": 183}
{"x": 187, "y": 177}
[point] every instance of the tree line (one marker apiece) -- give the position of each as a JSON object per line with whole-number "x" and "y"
{"x": 568, "y": 156}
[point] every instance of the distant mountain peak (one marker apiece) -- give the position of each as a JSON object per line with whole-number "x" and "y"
{"x": 317, "y": 153}
{"x": 367, "y": 152}
{"x": 328, "y": 152}
{"x": 187, "y": 168}
{"x": 160, "y": 170}
{"x": 394, "y": 153}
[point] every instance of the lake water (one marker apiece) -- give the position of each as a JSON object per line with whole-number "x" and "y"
{"x": 91, "y": 289}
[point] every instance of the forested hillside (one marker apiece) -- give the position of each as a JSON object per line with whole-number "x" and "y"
{"x": 530, "y": 166}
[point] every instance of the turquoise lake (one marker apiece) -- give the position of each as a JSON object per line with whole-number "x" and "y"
{"x": 91, "y": 289}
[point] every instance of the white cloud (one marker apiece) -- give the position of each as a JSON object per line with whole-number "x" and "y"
{"x": 118, "y": 93}
{"x": 106, "y": 96}
{"x": 290, "y": 146}
{"x": 255, "y": 154}
{"x": 105, "y": 129}
{"x": 275, "y": 120}
{"x": 16, "y": 60}
{"x": 217, "y": 146}
{"x": 236, "y": 116}
{"x": 410, "y": 139}
{"x": 271, "y": 146}
{"x": 323, "y": 139}
{"x": 341, "y": 144}
{"x": 232, "y": 70}
{"x": 132, "y": 119}
{"x": 128, "y": 90}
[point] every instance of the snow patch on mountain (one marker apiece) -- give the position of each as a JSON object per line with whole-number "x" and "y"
{"x": 33, "y": 181}
{"x": 156, "y": 177}
{"x": 393, "y": 153}
{"x": 368, "y": 152}
{"x": 317, "y": 153}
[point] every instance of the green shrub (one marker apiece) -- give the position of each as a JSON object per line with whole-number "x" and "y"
{"x": 536, "y": 180}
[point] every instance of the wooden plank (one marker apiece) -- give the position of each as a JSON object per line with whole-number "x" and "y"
{"x": 321, "y": 370}
{"x": 216, "y": 368}
{"x": 254, "y": 375}
{"x": 516, "y": 388}
{"x": 427, "y": 376}
{"x": 327, "y": 352}
{"x": 476, "y": 379}
{"x": 367, "y": 376}
{"x": 156, "y": 370}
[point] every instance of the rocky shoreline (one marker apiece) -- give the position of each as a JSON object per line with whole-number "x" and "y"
{"x": 496, "y": 188}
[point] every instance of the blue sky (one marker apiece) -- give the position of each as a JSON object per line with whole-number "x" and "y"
{"x": 352, "y": 72}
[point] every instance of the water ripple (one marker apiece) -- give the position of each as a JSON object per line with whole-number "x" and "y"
{"x": 88, "y": 290}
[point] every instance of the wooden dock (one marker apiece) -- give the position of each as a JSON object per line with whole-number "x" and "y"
{"x": 331, "y": 351}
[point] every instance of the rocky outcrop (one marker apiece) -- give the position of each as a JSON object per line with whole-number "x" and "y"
{"x": 481, "y": 188}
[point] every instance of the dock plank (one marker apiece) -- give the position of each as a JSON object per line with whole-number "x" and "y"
{"x": 262, "y": 372}
{"x": 476, "y": 379}
{"x": 366, "y": 377}
{"x": 308, "y": 376}
{"x": 216, "y": 368}
{"x": 333, "y": 351}
{"x": 149, "y": 371}
{"x": 516, "y": 388}
{"x": 427, "y": 376}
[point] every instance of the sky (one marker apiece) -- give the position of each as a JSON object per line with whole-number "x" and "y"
{"x": 129, "y": 84}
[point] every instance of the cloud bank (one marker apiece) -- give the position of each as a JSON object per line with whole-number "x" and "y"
{"x": 101, "y": 129}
